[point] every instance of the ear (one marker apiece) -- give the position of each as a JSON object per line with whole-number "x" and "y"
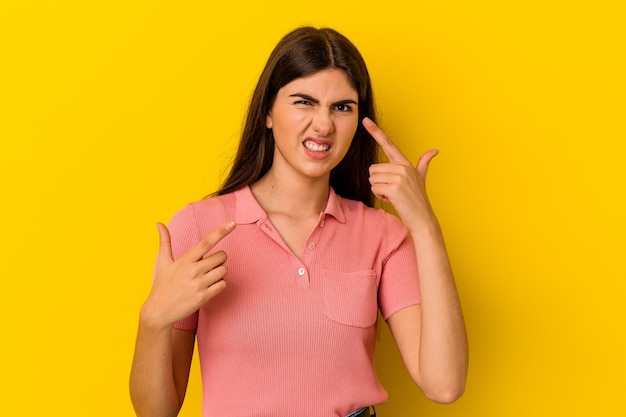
{"x": 268, "y": 121}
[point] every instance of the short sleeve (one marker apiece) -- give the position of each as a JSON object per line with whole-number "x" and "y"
{"x": 399, "y": 282}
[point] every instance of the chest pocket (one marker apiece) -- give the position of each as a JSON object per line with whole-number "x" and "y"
{"x": 350, "y": 298}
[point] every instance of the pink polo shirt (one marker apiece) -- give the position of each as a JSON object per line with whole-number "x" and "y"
{"x": 295, "y": 336}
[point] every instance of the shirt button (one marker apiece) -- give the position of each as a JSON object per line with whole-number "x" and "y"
{"x": 322, "y": 223}
{"x": 301, "y": 271}
{"x": 311, "y": 245}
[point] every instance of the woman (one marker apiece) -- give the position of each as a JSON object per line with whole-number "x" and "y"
{"x": 281, "y": 273}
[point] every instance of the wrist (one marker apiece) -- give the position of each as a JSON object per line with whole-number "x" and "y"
{"x": 152, "y": 319}
{"x": 426, "y": 225}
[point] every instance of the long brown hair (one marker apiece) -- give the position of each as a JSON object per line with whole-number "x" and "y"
{"x": 300, "y": 53}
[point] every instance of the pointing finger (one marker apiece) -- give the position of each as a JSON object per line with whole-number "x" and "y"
{"x": 389, "y": 148}
{"x": 164, "y": 256}
{"x": 197, "y": 252}
{"x": 424, "y": 162}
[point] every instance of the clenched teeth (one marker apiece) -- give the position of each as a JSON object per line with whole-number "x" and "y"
{"x": 312, "y": 146}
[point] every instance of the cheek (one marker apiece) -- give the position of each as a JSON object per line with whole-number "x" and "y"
{"x": 291, "y": 122}
{"x": 348, "y": 128}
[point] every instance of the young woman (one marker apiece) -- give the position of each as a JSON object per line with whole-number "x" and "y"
{"x": 280, "y": 275}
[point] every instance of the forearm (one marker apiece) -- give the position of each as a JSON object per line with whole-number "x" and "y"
{"x": 443, "y": 352}
{"x": 152, "y": 385}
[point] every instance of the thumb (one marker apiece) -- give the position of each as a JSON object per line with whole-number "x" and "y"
{"x": 424, "y": 162}
{"x": 164, "y": 256}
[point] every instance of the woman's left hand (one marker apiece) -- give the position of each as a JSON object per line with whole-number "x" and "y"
{"x": 399, "y": 182}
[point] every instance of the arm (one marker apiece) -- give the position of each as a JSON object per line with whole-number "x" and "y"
{"x": 160, "y": 370}
{"x": 431, "y": 336}
{"x": 162, "y": 359}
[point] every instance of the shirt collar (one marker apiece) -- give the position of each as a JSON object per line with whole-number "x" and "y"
{"x": 249, "y": 211}
{"x": 333, "y": 207}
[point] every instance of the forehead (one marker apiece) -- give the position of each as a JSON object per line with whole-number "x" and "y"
{"x": 325, "y": 83}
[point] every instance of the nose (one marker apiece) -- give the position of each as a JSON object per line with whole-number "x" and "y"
{"x": 323, "y": 123}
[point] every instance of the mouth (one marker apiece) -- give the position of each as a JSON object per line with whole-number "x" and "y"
{"x": 316, "y": 147}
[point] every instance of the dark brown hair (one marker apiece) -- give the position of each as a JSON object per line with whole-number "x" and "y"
{"x": 300, "y": 53}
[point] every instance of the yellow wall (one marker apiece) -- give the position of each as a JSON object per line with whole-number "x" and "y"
{"x": 114, "y": 114}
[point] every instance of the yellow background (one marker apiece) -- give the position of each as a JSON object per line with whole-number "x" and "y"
{"x": 114, "y": 114}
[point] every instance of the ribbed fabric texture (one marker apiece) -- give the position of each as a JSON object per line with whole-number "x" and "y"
{"x": 296, "y": 336}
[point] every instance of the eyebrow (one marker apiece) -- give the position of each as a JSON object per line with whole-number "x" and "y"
{"x": 316, "y": 101}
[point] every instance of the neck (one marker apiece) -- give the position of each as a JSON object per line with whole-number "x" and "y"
{"x": 294, "y": 197}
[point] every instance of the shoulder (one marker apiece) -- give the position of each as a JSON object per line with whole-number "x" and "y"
{"x": 373, "y": 216}
{"x": 374, "y": 225}
{"x": 205, "y": 214}
{"x": 213, "y": 206}
{"x": 196, "y": 220}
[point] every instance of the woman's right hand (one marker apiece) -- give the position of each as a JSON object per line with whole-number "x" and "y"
{"x": 182, "y": 286}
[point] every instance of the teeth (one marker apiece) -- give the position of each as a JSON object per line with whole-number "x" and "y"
{"x": 315, "y": 147}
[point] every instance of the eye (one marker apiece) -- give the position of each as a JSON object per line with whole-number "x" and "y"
{"x": 303, "y": 102}
{"x": 344, "y": 108}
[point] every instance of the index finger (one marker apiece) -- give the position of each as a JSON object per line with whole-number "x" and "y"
{"x": 197, "y": 252}
{"x": 389, "y": 148}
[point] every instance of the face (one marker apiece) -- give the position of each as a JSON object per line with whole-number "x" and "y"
{"x": 313, "y": 120}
